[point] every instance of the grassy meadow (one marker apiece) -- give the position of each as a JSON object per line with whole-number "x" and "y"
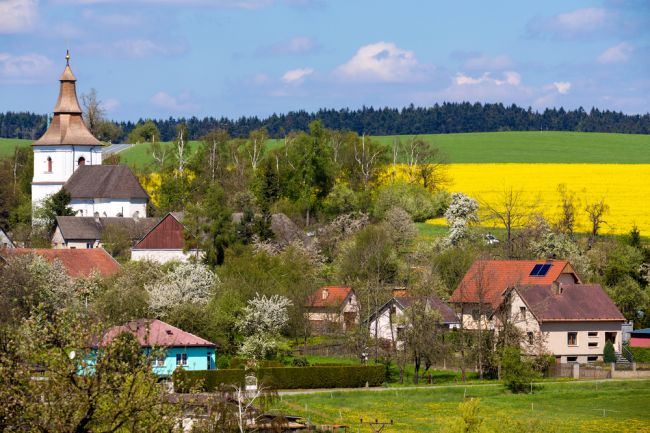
{"x": 554, "y": 407}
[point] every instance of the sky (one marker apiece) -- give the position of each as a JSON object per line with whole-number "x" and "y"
{"x": 161, "y": 58}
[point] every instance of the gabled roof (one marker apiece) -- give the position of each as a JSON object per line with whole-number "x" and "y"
{"x": 329, "y": 297}
{"x": 165, "y": 235}
{"x": 78, "y": 263}
{"x": 104, "y": 181}
{"x": 73, "y": 227}
{"x": 447, "y": 315}
{"x": 487, "y": 280}
{"x": 571, "y": 302}
{"x": 156, "y": 333}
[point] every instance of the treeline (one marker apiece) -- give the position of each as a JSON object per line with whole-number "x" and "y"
{"x": 438, "y": 119}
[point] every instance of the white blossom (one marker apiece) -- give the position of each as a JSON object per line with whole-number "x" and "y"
{"x": 187, "y": 283}
{"x": 462, "y": 212}
{"x": 262, "y": 320}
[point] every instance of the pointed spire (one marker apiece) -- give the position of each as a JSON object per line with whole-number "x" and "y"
{"x": 67, "y": 126}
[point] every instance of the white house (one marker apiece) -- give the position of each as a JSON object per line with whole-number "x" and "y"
{"x": 571, "y": 321}
{"x": 384, "y": 323}
{"x": 69, "y": 156}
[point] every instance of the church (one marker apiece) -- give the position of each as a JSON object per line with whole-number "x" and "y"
{"x": 68, "y": 156}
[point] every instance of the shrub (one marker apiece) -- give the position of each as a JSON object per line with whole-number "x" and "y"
{"x": 640, "y": 354}
{"x": 517, "y": 372}
{"x": 413, "y": 198}
{"x": 609, "y": 354}
{"x": 300, "y": 362}
{"x": 283, "y": 377}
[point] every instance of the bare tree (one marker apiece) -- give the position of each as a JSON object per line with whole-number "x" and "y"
{"x": 181, "y": 136}
{"x": 92, "y": 110}
{"x": 568, "y": 204}
{"x": 256, "y": 145}
{"x": 596, "y": 211}
{"x": 368, "y": 156}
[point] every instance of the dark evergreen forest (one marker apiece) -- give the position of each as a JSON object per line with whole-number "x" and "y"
{"x": 443, "y": 118}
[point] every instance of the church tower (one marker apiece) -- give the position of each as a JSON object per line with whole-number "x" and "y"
{"x": 66, "y": 145}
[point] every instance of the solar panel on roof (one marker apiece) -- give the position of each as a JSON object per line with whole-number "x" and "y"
{"x": 544, "y": 269}
{"x": 535, "y": 271}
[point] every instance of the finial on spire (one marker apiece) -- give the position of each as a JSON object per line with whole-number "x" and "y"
{"x": 67, "y": 57}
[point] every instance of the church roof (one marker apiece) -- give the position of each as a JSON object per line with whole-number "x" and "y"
{"x": 67, "y": 126}
{"x": 104, "y": 181}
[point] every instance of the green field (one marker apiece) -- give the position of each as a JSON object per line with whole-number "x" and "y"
{"x": 489, "y": 147}
{"x": 7, "y": 145}
{"x": 556, "y": 407}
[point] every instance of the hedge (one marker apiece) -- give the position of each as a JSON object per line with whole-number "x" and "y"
{"x": 640, "y": 354}
{"x": 348, "y": 376}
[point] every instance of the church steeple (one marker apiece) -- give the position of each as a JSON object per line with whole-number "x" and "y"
{"x": 67, "y": 126}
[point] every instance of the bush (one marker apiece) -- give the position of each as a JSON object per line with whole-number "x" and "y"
{"x": 609, "y": 354}
{"x": 300, "y": 362}
{"x": 283, "y": 377}
{"x": 640, "y": 354}
{"x": 413, "y": 198}
{"x": 517, "y": 372}
{"x": 206, "y": 380}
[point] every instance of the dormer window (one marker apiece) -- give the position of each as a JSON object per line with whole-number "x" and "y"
{"x": 81, "y": 161}
{"x": 49, "y": 164}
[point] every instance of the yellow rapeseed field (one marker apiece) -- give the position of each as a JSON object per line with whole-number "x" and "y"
{"x": 625, "y": 188}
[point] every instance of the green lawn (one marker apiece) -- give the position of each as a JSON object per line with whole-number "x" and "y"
{"x": 532, "y": 147}
{"x": 561, "y": 407}
{"x": 7, "y": 145}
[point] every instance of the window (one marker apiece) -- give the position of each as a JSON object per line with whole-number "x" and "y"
{"x": 89, "y": 244}
{"x": 158, "y": 362}
{"x": 592, "y": 334}
{"x": 181, "y": 359}
{"x": 476, "y": 314}
{"x": 592, "y": 358}
{"x": 571, "y": 359}
{"x": 572, "y": 338}
{"x": 593, "y": 344}
{"x": 522, "y": 312}
{"x": 400, "y": 333}
{"x": 209, "y": 363}
{"x": 49, "y": 164}
{"x": 531, "y": 337}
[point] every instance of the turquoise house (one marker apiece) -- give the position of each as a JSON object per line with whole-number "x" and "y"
{"x": 180, "y": 348}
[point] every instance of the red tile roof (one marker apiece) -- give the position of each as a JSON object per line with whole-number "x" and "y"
{"x": 573, "y": 302}
{"x": 446, "y": 314}
{"x": 77, "y": 262}
{"x": 328, "y": 297}
{"x": 487, "y": 280}
{"x": 156, "y": 333}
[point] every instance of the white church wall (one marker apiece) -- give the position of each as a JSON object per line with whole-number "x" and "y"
{"x": 109, "y": 207}
{"x": 163, "y": 256}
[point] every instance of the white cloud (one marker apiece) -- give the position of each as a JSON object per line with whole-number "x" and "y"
{"x": 26, "y": 68}
{"x": 296, "y": 75}
{"x": 562, "y": 87}
{"x": 110, "y": 104}
{"x": 585, "y": 21}
{"x": 486, "y": 63}
{"x": 173, "y": 104}
{"x": 617, "y": 54}
{"x": 510, "y": 78}
{"x": 381, "y": 61}
{"x": 17, "y": 16}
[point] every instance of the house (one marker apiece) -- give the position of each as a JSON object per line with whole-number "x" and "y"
{"x": 332, "y": 309}
{"x": 640, "y": 338}
{"x": 69, "y": 156}
{"x": 164, "y": 242}
{"x": 384, "y": 324}
{"x": 181, "y": 349}
{"x": 78, "y": 263}
{"x": 88, "y": 232}
{"x": 5, "y": 240}
{"x": 480, "y": 292}
{"x": 571, "y": 321}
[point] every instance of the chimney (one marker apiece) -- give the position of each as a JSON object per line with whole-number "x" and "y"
{"x": 556, "y": 287}
{"x": 325, "y": 293}
{"x": 400, "y": 292}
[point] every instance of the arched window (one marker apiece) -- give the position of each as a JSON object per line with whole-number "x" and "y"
{"x": 49, "y": 164}
{"x": 81, "y": 161}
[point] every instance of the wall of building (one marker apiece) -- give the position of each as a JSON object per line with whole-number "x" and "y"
{"x": 469, "y": 322}
{"x": 109, "y": 207}
{"x": 197, "y": 359}
{"x": 556, "y": 334}
{"x": 640, "y": 341}
{"x": 162, "y": 256}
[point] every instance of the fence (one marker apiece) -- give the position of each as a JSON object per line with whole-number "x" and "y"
{"x": 559, "y": 370}
{"x": 593, "y": 372}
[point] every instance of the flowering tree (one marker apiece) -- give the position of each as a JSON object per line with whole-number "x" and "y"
{"x": 262, "y": 320}
{"x": 462, "y": 212}
{"x": 187, "y": 283}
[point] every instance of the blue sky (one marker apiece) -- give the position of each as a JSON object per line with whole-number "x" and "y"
{"x": 159, "y": 58}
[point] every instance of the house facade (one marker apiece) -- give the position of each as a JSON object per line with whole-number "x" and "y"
{"x": 69, "y": 156}
{"x": 480, "y": 292}
{"x": 88, "y": 232}
{"x": 573, "y": 322}
{"x": 640, "y": 338}
{"x": 164, "y": 242}
{"x": 332, "y": 309}
{"x": 384, "y": 324}
{"x": 181, "y": 349}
